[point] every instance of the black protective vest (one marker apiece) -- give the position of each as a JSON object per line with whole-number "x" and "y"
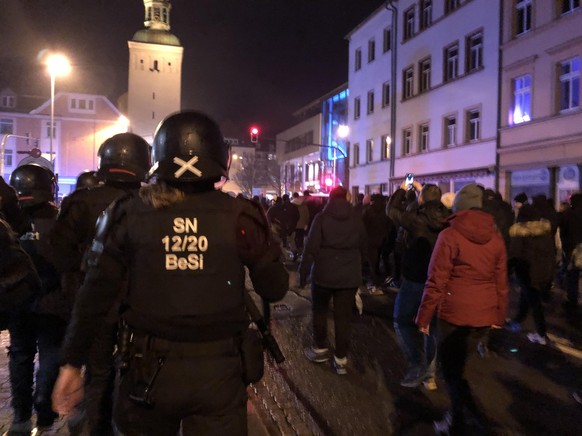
{"x": 186, "y": 280}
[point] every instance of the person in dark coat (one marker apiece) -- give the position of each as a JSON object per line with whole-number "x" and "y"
{"x": 40, "y": 326}
{"x": 571, "y": 236}
{"x": 333, "y": 253}
{"x": 500, "y": 210}
{"x": 380, "y": 232}
{"x": 422, "y": 225}
{"x": 531, "y": 255}
{"x": 467, "y": 289}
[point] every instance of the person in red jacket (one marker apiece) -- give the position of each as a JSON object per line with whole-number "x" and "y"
{"x": 467, "y": 287}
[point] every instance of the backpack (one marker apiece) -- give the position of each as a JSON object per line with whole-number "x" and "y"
{"x": 19, "y": 281}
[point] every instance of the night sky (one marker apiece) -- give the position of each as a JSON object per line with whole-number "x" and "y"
{"x": 245, "y": 61}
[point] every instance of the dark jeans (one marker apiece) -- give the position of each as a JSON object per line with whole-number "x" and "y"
{"x": 343, "y": 304}
{"x": 374, "y": 264}
{"x": 531, "y": 298}
{"x": 299, "y": 238}
{"x": 201, "y": 394}
{"x": 454, "y": 345}
{"x": 409, "y": 338}
{"x": 99, "y": 381}
{"x": 29, "y": 332}
{"x": 572, "y": 284}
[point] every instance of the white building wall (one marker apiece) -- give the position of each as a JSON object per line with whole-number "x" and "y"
{"x": 474, "y": 90}
{"x": 370, "y": 77}
{"x": 153, "y": 94}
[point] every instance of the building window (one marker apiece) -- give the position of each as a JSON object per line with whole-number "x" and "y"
{"x": 48, "y": 130}
{"x": 569, "y": 5}
{"x": 385, "y": 94}
{"x": 424, "y": 78}
{"x": 451, "y": 5}
{"x": 450, "y": 131}
{"x": 474, "y": 51}
{"x": 371, "y": 50}
{"x": 358, "y": 59}
{"x": 387, "y": 40}
{"x": 407, "y": 141}
{"x": 357, "y": 106}
{"x": 8, "y": 101}
{"x": 6, "y": 126}
{"x": 522, "y": 16}
{"x": 356, "y": 155}
{"x": 8, "y": 157}
{"x": 451, "y": 62}
{"x": 369, "y": 150}
{"x": 79, "y": 105}
{"x": 473, "y": 125}
{"x": 409, "y": 23}
{"x": 521, "y": 100}
{"x": 425, "y": 14}
{"x": 570, "y": 84}
{"x": 423, "y": 133}
{"x": 408, "y": 82}
{"x": 370, "y": 102}
{"x": 385, "y": 144}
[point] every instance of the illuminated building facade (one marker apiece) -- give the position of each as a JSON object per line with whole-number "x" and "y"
{"x": 82, "y": 123}
{"x": 313, "y": 151}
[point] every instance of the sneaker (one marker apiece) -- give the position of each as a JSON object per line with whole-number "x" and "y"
{"x": 577, "y": 396}
{"x": 20, "y": 428}
{"x": 537, "y": 338}
{"x": 375, "y": 290}
{"x": 443, "y": 427}
{"x": 413, "y": 378}
{"x": 394, "y": 283}
{"x": 513, "y": 326}
{"x": 317, "y": 355}
{"x": 429, "y": 384}
{"x": 340, "y": 365}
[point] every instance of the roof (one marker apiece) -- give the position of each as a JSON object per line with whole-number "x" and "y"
{"x": 156, "y": 36}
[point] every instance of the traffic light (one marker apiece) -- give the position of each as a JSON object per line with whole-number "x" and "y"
{"x": 254, "y": 134}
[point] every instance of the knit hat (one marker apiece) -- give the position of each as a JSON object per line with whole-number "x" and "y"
{"x": 338, "y": 192}
{"x": 520, "y": 198}
{"x": 470, "y": 196}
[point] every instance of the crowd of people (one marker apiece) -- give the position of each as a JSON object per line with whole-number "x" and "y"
{"x": 76, "y": 280}
{"x": 452, "y": 258}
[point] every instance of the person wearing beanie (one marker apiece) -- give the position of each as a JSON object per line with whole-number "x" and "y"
{"x": 422, "y": 221}
{"x": 469, "y": 197}
{"x": 467, "y": 289}
{"x": 333, "y": 253}
{"x": 531, "y": 245}
{"x": 518, "y": 201}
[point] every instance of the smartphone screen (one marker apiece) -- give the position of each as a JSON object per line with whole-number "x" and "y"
{"x": 409, "y": 178}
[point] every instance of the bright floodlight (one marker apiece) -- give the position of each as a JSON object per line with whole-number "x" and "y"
{"x": 343, "y": 131}
{"x": 58, "y": 65}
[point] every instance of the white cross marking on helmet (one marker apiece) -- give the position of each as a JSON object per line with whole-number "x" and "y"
{"x": 187, "y": 166}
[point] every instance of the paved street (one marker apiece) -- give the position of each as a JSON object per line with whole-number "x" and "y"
{"x": 525, "y": 389}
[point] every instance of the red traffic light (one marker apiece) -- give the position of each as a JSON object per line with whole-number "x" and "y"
{"x": 328, "y": 182}
{"x": 254, "y": 134}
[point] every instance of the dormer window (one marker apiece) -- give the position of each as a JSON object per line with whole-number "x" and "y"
{"x": 82, "y": 105}
{"x": 8, "y": 101}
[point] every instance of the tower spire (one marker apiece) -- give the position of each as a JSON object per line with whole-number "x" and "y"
{"x": 157, "y": 14}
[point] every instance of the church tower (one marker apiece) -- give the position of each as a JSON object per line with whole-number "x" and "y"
{"x": 155, "y": 71}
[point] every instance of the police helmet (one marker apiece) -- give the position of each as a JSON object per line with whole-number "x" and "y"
{"x": 124, "y": 157}
{"x": 34, "y": 184}
{"x": 189, "y": 147}
{"x": 87, "y": 179}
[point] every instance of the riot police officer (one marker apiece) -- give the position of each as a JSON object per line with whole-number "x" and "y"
{"x": 183, "y": 245}
{"x": 40, "y": 325}
{"x": 124, "y": 160}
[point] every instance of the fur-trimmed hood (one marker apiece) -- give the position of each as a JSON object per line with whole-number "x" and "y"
{"x": 530, "y": 228}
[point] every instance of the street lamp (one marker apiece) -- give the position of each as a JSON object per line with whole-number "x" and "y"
{"x": 57, "y": 65}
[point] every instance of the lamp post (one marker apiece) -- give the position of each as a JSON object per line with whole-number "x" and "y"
{"x": 393, "y": 46}
{"x": 57, "y": 65}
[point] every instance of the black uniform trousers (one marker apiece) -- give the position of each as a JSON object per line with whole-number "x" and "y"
{"x": 199, "y": 389}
